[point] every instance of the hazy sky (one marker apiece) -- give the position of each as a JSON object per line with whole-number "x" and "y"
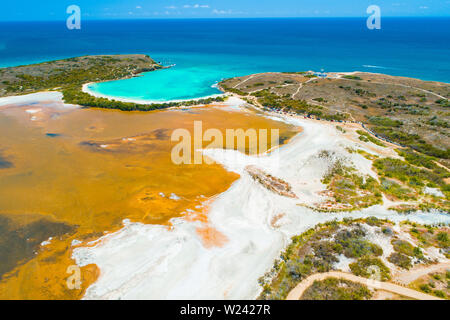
{"x": 135, "y": 9}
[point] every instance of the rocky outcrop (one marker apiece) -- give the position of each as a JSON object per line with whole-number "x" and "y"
{"x": 270, "y": 182}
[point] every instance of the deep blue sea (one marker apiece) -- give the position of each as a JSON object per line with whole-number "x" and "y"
{"x": 208, "y": 50}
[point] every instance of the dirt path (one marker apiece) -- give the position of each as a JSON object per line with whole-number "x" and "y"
{"x": 442, "y": 166}
{"x": 248, "y": 78}
{"x": 298, "y": 90}
{"x": 298, "y": 291}
{"x": 415, "y": 273}
{"x": 245, "y": 80}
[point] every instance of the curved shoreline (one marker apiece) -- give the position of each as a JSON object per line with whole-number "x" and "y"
{"x": 85, "y": 88}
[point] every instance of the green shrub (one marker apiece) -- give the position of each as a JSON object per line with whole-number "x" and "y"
{"x": 74, "y": 95}
{"x": 425, "y": 288}
{"x": 385, "y": 122}
{"x": 411, "y": 175}
{"x": 336, "y": 289}
{"x": 403, "y": 247}
{"x": 442, "y": 237}
{"x": 417, "y": 159}
{"x": 354, "y": 245}
{"x": 391, "y": 187}
{"x": 351, "y": 77}
{"x": 361, "y": 268}
{"x": 437, "y": 276}
{"x": 366, "y": 137}
{"x": 400, "y": 259}
{"x": 439, "y": 293}
{"x": 413, "y": 141}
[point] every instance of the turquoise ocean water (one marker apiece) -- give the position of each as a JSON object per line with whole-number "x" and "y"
{"x": 206, "y": 51}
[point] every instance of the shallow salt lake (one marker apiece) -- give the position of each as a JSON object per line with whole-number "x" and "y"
{"x": 92, "y": 168}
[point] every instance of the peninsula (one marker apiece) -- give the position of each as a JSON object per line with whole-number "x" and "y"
{"x": 407, "y": 115}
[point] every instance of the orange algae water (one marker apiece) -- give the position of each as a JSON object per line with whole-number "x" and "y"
{"x": 76, "y": 174}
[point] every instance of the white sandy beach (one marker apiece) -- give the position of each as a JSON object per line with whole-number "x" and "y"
{"x": 51, "y": 98}
{"x": 154, "y": 262}
{"x": 85, "y": 88}
{"x": 33, "y": 97}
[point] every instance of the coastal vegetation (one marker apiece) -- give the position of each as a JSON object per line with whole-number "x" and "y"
{"x": 416, "y": 159}
{"x": 74, "y": 95}
{"x": 347, "y": 189}
{"x": 418, "y": 178}
{"x": 321, "y": 248}
{"x": 413, "y": 141}
{"x": 366, "y": 137}
{"x": 403, "y": 254}
{"x": 274, "y": 101}
{"x": 350, "y": 77}
{"x": 428, "y": 236}
{"x": 336, "y": 289}
{"x": 385, "y": 122}
{"x": 366, "y": 266}
{"x": 437, "y": 284}
{"x": 391, "y": 113}
{"x": 234, "y": 90}
{"x": 408, "y": 112}
{"x": 72, "y": 72}
{"x": 314, "y": 251}
{"x": 412, "y": 176}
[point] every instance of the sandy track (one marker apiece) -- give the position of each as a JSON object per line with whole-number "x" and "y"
{"x": 298, "y": 291}
{"x": 245, "y": 80}
{"x": 413, "y": 274}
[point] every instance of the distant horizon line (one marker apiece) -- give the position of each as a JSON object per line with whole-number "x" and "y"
{"x": 227, "y": 18}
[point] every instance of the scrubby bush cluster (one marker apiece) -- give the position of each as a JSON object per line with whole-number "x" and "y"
{"x": 366, "y": 137}
{"x": 349, "y": 188}
{"x": 272, "y": 100}
{"x": 336, "y": 289}
{"x": 404, "y": 252}
{"x": 76, "y": 96}
{"x": 313, "y": 252}
{"x": 370, "y": 267}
